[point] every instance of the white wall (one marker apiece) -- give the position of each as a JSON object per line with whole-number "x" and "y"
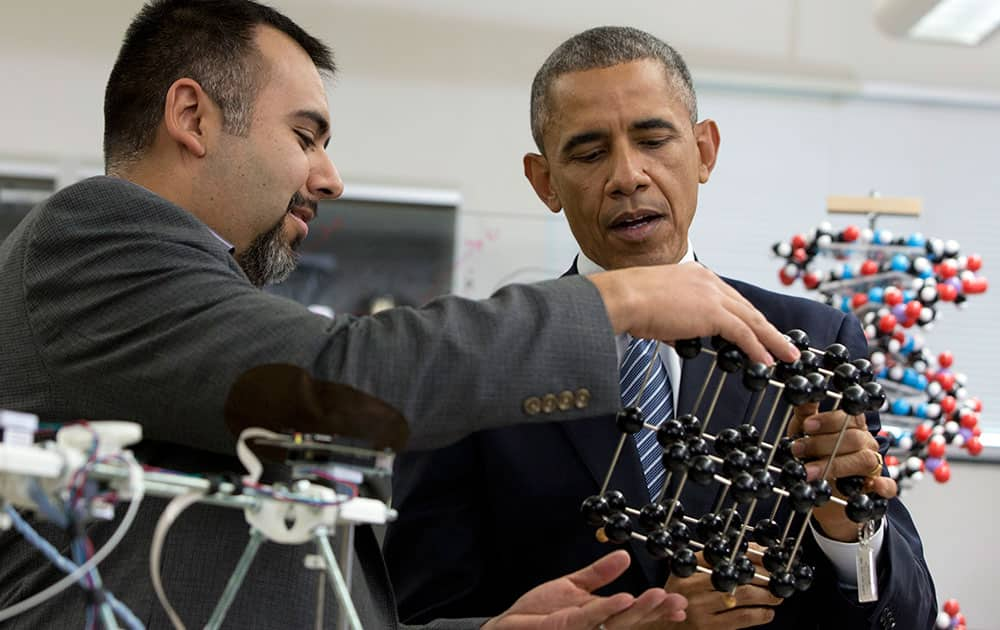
{"x": 957, "y": 523}
{"x": 443, "y": 103}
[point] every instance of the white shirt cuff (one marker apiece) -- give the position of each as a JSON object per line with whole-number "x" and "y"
{"x": 844, "y": 555}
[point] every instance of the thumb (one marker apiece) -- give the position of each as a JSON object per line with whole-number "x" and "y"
{"x": 604, "y": 571}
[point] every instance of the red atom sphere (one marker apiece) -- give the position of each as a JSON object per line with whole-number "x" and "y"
{"x": 968, "y": 419}
{"x": 947, "y": 292}
{"x": 947, "y": 380}
{"x": 887, "y": 323}
{"x": 975, "y": 285}
{"x": 948, "y": 402}
{"x": 936, "y": 448}
{"x": 921, "y": 433}
{"x": 974, "y": 445}
{"x": 892, "y": 296}
{"x": 943, "y": 473}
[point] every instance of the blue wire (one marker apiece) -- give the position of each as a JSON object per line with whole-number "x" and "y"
{"x": 67, "y": 565}
{"x": 50, "y": 511}
{"x": 93, "y": 580}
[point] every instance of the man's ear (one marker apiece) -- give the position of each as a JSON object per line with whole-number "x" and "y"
{"x": 706, "y": 134}
{"x": 536, "y": 169}
{"x": 186, "y": 111}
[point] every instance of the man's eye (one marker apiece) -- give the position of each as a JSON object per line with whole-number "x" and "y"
{"x": 304, "y": 138}
{"x": 653, "y": 143}
{"x": 591, "y": 156}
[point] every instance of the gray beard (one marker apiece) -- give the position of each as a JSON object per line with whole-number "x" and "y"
{"x": 269, "y": 259}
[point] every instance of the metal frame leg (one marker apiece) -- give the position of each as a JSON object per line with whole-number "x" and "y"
{"x": 346, "y": 613}
{"x": 236, "y": 579}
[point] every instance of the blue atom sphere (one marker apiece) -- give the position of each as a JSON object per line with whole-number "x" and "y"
{"x": 900, "y": 407}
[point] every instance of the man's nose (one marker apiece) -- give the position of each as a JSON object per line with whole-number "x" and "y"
{"x": 324, "y": 180}
{"x": 627, "y": 174}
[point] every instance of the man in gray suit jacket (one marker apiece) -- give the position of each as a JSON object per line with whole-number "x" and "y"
{"x": 137, "y": 296}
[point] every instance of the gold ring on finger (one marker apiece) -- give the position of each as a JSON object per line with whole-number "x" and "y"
{"x": 876, "y": 470}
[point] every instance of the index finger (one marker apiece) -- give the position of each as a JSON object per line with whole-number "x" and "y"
{"x": 769, "y": 336}
{"x": 604, "y": 570}
{"x": 748, "y": 329}
{"x": 802, "y": 412}
{"x": 832, "y": 422}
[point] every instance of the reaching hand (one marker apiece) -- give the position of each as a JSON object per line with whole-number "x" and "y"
{"x": 674, "y": 302}
{"x": 568, "y": 603}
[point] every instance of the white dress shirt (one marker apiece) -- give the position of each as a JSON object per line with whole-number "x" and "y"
{"x": 842, "y": 555}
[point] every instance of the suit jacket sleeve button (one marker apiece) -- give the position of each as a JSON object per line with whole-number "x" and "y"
{"x": 532, "y": 405}
{"x": 566, "y": 399}
{"x": 549, "y": 403}
{"x": 582, "y": 397}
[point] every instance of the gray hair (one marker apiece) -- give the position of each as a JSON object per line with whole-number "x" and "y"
{"x": 603, "y": 47}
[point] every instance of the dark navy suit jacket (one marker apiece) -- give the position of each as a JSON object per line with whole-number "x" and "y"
{"x": 485, "y": 520}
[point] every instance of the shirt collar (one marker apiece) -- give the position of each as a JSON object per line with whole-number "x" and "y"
{"x": 585, "y": 266}
{"x": 229, "y": 246}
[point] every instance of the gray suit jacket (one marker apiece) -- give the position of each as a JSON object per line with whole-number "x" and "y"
{"x": 115, "y": 303}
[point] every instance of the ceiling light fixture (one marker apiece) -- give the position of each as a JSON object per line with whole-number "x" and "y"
{"x": 965, "y": 22}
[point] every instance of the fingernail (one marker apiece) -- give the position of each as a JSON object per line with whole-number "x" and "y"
{"x": 795, "y": 351}
{"x": 812, "y": 424}
{"x": 798, "y": 448}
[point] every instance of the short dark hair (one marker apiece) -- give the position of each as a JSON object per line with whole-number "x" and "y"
{"x": 603, "y": 47}
{"x": 209, "y": 41}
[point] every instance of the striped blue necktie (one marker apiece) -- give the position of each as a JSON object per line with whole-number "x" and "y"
{"x": 656, "y": 404}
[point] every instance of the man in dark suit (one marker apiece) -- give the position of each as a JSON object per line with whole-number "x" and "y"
{"x": 136, "y": 296}
{"x": 622, "y": 152}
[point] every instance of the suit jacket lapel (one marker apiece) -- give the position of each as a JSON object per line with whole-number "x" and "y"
{"x": 595, "y": 441}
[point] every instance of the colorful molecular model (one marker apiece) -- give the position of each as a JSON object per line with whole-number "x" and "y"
{"x": 896, "y": 286}
{"x": 950, "y": 618}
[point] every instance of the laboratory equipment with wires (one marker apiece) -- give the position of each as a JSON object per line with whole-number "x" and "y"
{"x": 73, "y": 473}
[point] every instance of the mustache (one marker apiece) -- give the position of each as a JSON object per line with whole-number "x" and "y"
{"x": 298, "y": 201}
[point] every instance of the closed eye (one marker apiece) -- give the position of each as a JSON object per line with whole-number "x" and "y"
{"x": 305, "y": 139}
{"x": 654, "y": 143}
{"x": 590, "y": 156}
